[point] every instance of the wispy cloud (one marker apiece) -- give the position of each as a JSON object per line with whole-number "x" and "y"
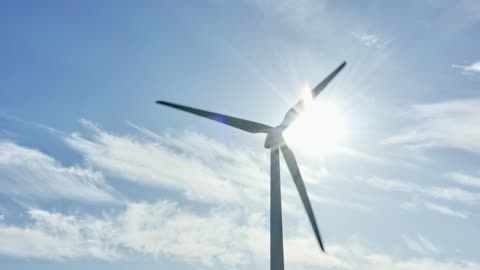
{"x": 216, "y": 173}
{"x": 469, "y": 69}
{"x": 300, "y": 14}
{"x": 445, "y": 210}
{"x": 445, "y": 193}
{"x": 452, "y": 124}
{"x": 223, "y": 237}
{"x": 391, "y": 185}
{"x": 29, "y": 173}
{"x": 420, "y": 244}
{"x": 232, "y": 235}
{"x": 454, "y": 194}
{"x": 216, "y": 238}
{"x": 357, "y": 154}
{"x": 370, "y": 40}
{"x": 435, "y": 207}
{"x": 56, "y": 236}
{"x": 465, "y": 179}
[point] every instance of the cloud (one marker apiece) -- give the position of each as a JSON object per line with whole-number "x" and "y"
{"x": 391, "y": 185}
{"x": 420, "y": 244}
{"x": 468, "y": 180}
{"x": 29, "y": 173}
{"x": 353, "y": 153}
{"x": 470, "y": 69}
{"x": 448, "y": 124}
{"x": 454, "y": 194}
{"x": 435, "y": 207}
{"x": 231, "y": 236}
{"x": 57, "y": 237}
{"x": 370, "y": 40}
{"x": 216, "y": 174}
{"x": 165, "y": 229}
{"x": 300, "y": 13}
{"x": 445, "y": 210}
{"x": 217, "y": 238}
{"x": 445, "y": 193}
{"x": 158, "y": 229}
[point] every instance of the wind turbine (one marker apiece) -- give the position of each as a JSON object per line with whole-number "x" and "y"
{"x": 275, "y": 143}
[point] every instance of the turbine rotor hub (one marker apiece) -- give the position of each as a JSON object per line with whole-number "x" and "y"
{"x": 275, "y": 137}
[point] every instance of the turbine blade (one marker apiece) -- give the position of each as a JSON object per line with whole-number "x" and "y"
{"x": 246, "y": 125}
{"x": 293, "y": 113}
{"x": 297, "y": 178}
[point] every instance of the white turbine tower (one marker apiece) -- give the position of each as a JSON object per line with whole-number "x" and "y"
{"x": 275, "y": 143}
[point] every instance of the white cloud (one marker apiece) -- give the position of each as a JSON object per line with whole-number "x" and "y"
{"x": 353, "y": 153}
{"x": 200, "y": 168}
{"x": 470, "y": 69}
{"x": 452, "y": 124}
{"x": 216, "y": 173}
{"x": 391, "y": 185}
{"x": 28, "y": 172}
{"x": 435, "y": 207}
{"x": 230, "y": 236}
{"x": 445, "y": 210}
{"x": 218, "y": 238}
{"x": 57, "y": 237}
{"x": 453, "y": 194}
{"x": 299, "y": 13}
{"x": 420, "y": 244}
{"x": 165, "y": 229}
{"x": 221, "y": 236}
{"x": 159, "y": 229}
{"x": 370, "y": 40}
{"x": 469, "y": 180}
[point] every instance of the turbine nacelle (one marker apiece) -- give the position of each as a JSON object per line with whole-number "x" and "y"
{"x": 275, "y": 137}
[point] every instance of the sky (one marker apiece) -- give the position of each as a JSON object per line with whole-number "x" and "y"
{"x": 94, "y": 174}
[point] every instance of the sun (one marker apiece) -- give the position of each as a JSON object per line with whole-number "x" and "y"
{"x": 320, "y": 127}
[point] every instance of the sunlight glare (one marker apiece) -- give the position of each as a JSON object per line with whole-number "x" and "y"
{"x": 320, "y": 127}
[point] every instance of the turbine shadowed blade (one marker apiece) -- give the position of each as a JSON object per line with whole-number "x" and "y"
{"x": 293, "y": 113}
{"x": 297, "y": 178}
{"x": 246, "y": 125}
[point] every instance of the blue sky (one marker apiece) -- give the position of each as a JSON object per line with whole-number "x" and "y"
{"x": 94, "y": 174}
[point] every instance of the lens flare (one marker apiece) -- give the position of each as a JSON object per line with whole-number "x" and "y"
{"x": 321, "y": 127}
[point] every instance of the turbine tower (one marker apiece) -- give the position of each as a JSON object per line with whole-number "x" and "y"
{"x": 275, "y": 142}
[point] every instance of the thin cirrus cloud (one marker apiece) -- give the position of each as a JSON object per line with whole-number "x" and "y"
{"x": 474, "y": 68}
{"x": 230, "y": 236}
{"x": 445, "y": 210}
{"x": 420, "y": 244}
{"x": 56, "y": 236}
{"x": 216, "y": 172}
{"x": 447, "y": 124}
{"x": 465, "y": 179}
{"x": 217, "y": 238}
{"x": 220, "y": 176}
{"x": 444, "y": 193}
{"x": 370, "y": 40}
{"x": 161, "y": 228}
{"x": 29, "y": 173}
